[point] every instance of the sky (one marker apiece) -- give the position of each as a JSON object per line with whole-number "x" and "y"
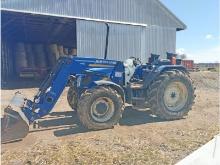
{"x": 201, "y": 40}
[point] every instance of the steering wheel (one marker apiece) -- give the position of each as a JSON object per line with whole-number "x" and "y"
{"x": 137, "y": 61}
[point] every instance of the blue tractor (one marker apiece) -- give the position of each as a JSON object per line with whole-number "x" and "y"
{"x": 100, "y": 89}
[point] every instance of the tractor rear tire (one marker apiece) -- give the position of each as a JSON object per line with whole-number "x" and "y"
{"x": 171, "y": 95}
{"x": 72, "y": 97}
{"x": 93, "y": 102}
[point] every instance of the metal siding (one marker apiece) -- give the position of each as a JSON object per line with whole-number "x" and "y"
{"x": 118, "y": 10}
{"x": 137, "y": 11}
{"x": 91, "y": 37}
{"x": 124, "y": 40}
{"x": 160, "y": 40}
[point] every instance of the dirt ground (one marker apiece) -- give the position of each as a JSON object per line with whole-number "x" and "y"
{"x": 140, "y": 138}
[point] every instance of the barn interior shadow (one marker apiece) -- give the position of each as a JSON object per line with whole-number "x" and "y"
{"x": 16, "y": 83}
{"x": 67, "y": 123}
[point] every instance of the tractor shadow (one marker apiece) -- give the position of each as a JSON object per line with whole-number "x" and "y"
{"x": 67, "y": 123}
{"x": 63, "y": 124}
{"x": 132, "y": 117}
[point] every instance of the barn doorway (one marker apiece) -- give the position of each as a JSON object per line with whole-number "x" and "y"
{"x": 31, "y": 44}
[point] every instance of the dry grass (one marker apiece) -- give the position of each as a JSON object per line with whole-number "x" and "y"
{"x": 147, "y": 143}
{"x": 76, "y": 153}
{"x": 115, "y": 151}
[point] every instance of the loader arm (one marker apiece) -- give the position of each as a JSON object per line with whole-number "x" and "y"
{"x": 21, "y": 111}
{"x": 53, "y": 86}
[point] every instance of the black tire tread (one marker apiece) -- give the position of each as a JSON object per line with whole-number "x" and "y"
{"x": 153, "y": 100}
{"x": 84, "y": 101}
{"x": 72, "y": 97}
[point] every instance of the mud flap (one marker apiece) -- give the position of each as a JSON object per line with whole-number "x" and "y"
{"x": 13, "y": 126}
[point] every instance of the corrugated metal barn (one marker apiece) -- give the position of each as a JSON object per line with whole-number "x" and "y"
{"x": 136, "y": 28}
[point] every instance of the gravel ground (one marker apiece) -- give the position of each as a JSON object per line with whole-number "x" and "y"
{"x": 140, "y": 138}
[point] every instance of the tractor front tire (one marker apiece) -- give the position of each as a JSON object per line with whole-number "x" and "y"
{"x": 100, "y": 108}
{"x": 72, "y": 97}
{"x": 171, "y": 95}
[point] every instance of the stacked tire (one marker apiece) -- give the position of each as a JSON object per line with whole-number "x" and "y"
{"x": 7, "y": 66}
{"x": 40, "y": 55}
{"x": 20, "y": 56}
{"x": 53, "y": 54}
{"x": 30, "y": 56}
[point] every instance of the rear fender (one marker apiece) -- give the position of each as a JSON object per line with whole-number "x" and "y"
{"x": 164, "y": 68}
{"x": 157, "y": 71}
{"x": 113, "y": 85}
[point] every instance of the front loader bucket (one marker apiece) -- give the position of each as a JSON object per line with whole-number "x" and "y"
{"x": 13, "y": 126}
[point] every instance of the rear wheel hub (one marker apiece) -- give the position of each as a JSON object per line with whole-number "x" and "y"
{"x": 175, "y": 96}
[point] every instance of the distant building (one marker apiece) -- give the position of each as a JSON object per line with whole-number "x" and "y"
{"x": 208, "y": 65}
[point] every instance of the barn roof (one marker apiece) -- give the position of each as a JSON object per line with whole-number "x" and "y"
{"x": 138, "y": 12}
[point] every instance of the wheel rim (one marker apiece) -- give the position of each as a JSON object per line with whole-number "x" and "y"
{"x": 102, "y": 109}
{"x": 175, "y": 96}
